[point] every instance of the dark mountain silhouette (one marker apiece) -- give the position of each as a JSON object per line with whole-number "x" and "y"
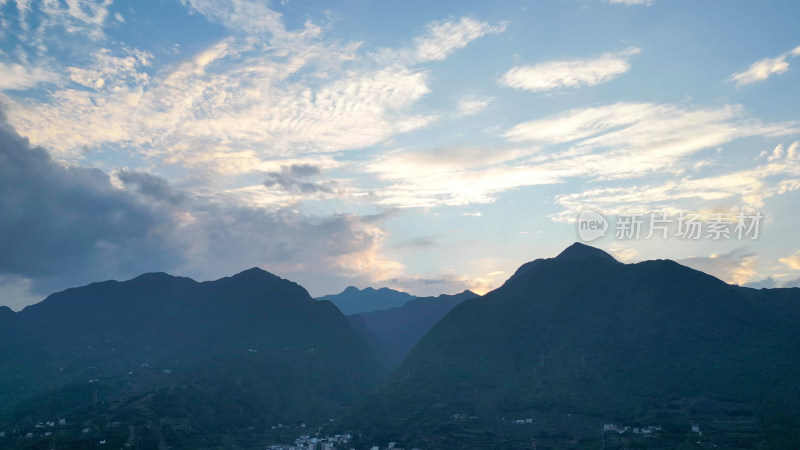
{"x": 581, "y": 340}
{"x": 353, "y": 300}
{"x": 201, "y": 359}
{"x": 392, "y": 332}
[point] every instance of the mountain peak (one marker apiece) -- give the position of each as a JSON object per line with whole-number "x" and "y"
{"x": 578, "y": 251}
{"x": 254, "y": 271}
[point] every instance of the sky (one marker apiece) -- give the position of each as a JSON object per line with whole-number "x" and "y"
{"x": 429, "y": 147}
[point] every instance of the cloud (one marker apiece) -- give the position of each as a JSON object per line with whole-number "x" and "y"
{"x": 154, "y": 187}
{"x": 764, "y": 68}
{"x": 17, "y": 76}
{"x": 792, "y": 260}
{"x": 736, "y": 267}
{"x": 442, "y": 283}
{"x": 443, "y": 38}
{"x": 418, "y": 242}
{"x": 740, "y": 190}
{"x": 86, "y": 18}
{"x": 240, "y": 15}
{"x": 290, "y": 179}
{"x": 113, "y": 72}
{"x": 570, "y": 73}
{"x": 472, "y": 106}
{"x": 69, "y": 223}
{"x": 238, "y": 95}
{"x": 16, "y": 292}
{"x": 621, "y": 141}
{"x": 766, "y": 283}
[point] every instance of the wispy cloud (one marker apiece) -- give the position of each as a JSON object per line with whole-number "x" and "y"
{"x": 440, "y": 39}
{"x": 443, "y": 38}
{"x": 86, "y": 18}
{"x": 17, "y": 76}
{"x": 570, "y": 73}
{"x": 792, "y": 260}
{"x": 239, "y": 97}
{"x": 240, "y": 15}
{"x": 622, "y": 141}
{"x": 471, "y": 106}
{"x": 764, "y": 68}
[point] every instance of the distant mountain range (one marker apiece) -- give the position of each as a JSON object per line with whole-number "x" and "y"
{"x": 574, "y": 342}
{"x": 201, "y": 363}
{"x": 576, "y": 351}
{"x": 353, "y": 300}
{"x": 392, "y": 332}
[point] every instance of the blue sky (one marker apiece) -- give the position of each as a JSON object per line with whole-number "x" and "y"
{"x": 425, "y": 146}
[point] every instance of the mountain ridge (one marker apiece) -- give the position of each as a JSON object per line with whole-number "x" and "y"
{"x": 653, "y": 342}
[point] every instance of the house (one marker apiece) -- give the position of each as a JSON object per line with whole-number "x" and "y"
{"x": 62, "y": 422}
{"x": 85, "y": 430}
{"x": 29, "y": 435}
{"x": 696, "y": 429}
{"x": 2, "y": 434}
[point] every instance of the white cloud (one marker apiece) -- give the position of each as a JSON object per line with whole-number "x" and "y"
{"x": 111, "y": 72}
{"x": 240, "y": 15}
{"x": 72, "y": 16}
{"x": 218, "y": 100}
{"x": 440, "y": 39}
{"x": 17, "y": 76}
{"x": 622, "y": 141}
{"x": 443, "y": 38}
{"x": 761, "y": 70}
{"x": 736, "y": 267}
{"x": 792, "y": 260}
{"x": 242, "y": 100}
{"x": 764, "y": 68}
{"x": 570, "y": 73}
{"x": 471, "y": 106}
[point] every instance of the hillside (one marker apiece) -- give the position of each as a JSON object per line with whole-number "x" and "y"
{"x": 393, "y": 332}
{"x": 206, "y": 362}
{"x": 581, "y": 340}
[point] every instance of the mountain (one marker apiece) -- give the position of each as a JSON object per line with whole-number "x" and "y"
{"x": 181, "y": 363}
{"x": 353, "y": 300}
{"x": 580, "y": 340}
{"x": 392, "y": 332}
